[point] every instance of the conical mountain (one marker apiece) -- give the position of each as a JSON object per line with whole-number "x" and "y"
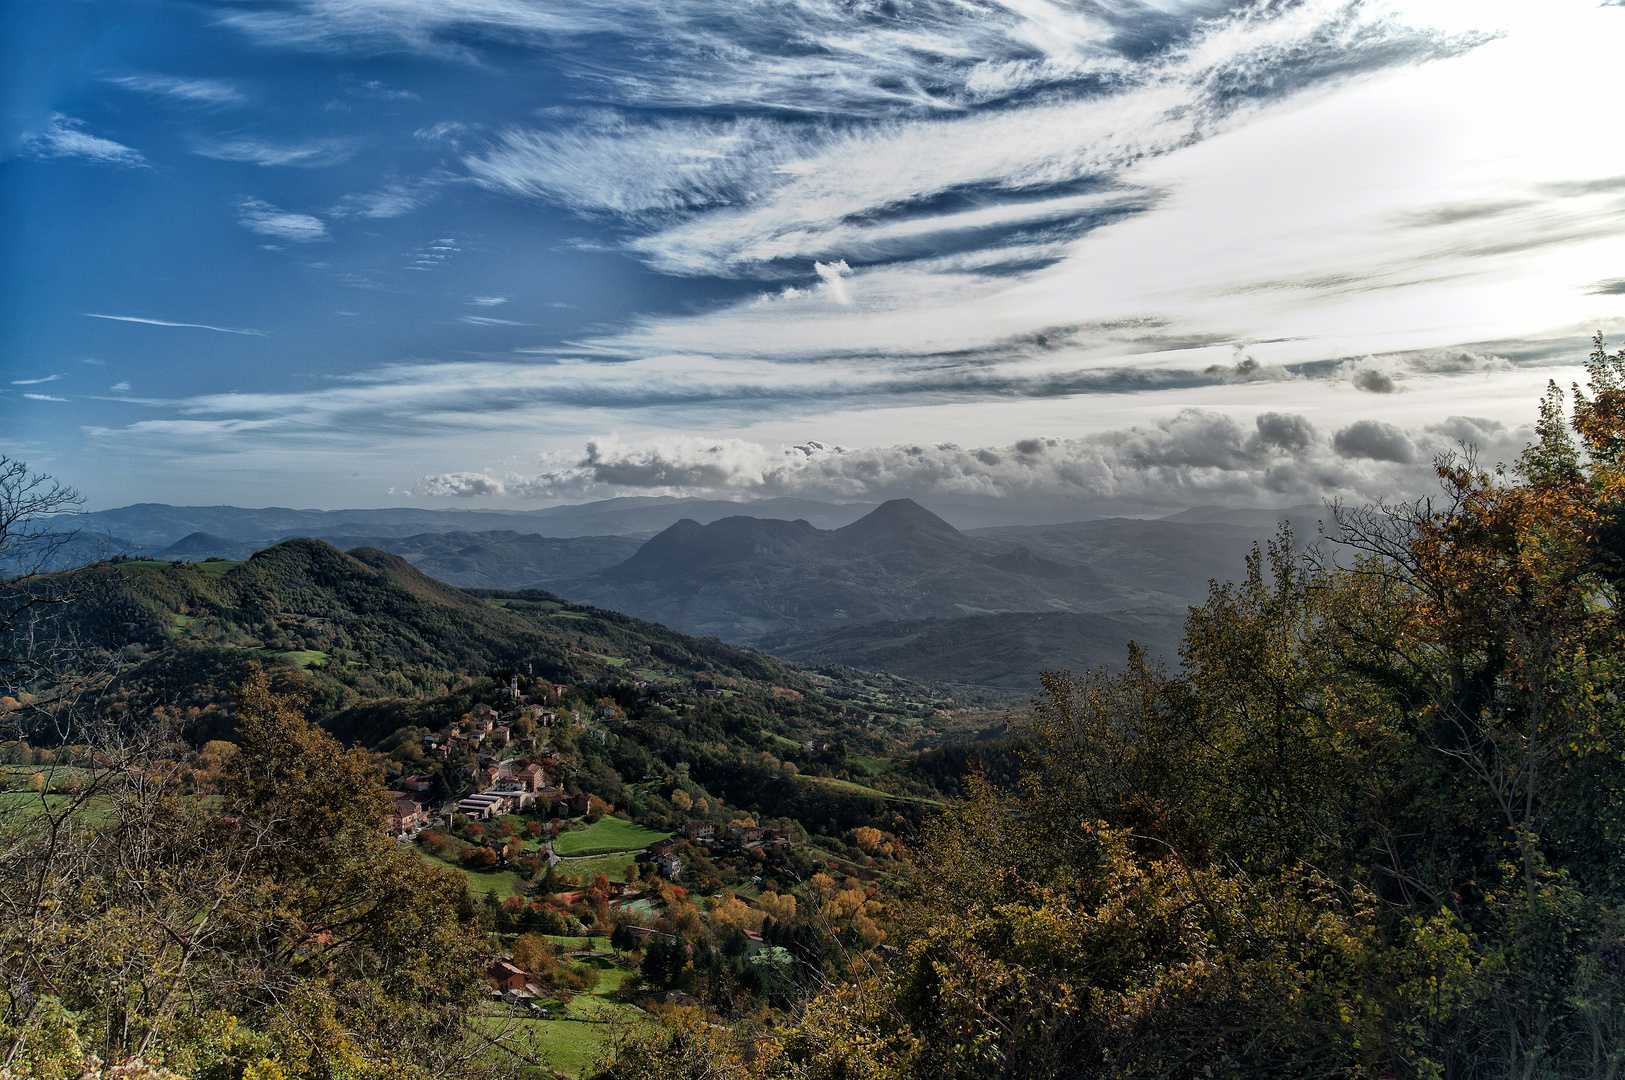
{"x": 895, "y": 522}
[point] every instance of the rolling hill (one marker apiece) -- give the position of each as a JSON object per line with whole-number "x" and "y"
{"x": 363, "y": 627}
{"x": 501, "y": 559}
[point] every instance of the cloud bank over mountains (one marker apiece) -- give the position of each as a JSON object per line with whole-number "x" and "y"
{"x": 1192, "y": 458}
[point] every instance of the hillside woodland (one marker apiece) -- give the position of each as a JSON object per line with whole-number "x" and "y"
{"x": 1370, "y": 826}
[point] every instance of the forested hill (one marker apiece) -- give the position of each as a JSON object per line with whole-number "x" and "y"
{"x": 364, "y": 629}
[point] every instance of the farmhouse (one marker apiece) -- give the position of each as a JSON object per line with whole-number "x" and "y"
{"x": 504, "y": 976}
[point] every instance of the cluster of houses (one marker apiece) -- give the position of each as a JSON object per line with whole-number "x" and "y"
{"x": 501, "y": 788}
{"x": 486, "y": 729}
{"x": 501, "y": 785}
{"x": 665, "y": 693}
{"x": 663, "y": 853}
{"x": 742, "y": 837}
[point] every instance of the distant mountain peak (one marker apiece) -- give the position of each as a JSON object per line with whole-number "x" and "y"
{"x": 898, "y": 516}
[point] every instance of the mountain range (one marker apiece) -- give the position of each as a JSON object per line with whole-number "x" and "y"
{"x": 742, "y": 579}
{"x": 901, "y": 590}
{"x": 152, "y": 526}
{"x": 896, "y": 589}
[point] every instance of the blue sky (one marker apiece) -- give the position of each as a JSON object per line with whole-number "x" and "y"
{"x": 1102, "y": 256}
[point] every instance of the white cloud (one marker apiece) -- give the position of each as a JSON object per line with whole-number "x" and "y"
{"x": 263, "y": 218}
{"x": 1190, "y": 458}
{"x": 198, "y": 91}
{"x": 481, "y": 320}
{"x": 807, "y": 56}
{"x": 606, "y": 163}
{"x": 64, "y": 138}
{"x": 444, "y": 131}
{"x": 834, "y": 276}
{"x": 488, "y": 301}
{"x": 1407, "y": 213}
{"x": 392, "y": 201}
{"x": 120, "y": 386}
{"x": 416, "y": 24}
{"x": 460, "y": 485}
{"x": 756, "y": 191}
{"x": 1375, "y": 440}
{"x": 35, "y": 382}
{"x": 43, "y": 397}
{"x": 377, "y": 91}
{"x": 313, "y": 154}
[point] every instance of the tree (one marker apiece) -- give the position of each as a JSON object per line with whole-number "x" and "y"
{"x": 44, "y": 667}
{"x": 531, "y": 952}
{"x": 281, "y": 927}
{"x": 622, "y": 938}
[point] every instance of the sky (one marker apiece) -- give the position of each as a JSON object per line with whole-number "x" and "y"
{"x": 1055, "y": 259}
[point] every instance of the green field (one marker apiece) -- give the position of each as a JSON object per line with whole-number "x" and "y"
{"x": 611, "y": 866}
{"x": 606, "y": 837}
{"x": 580, "y": 944}
{"x": 30, "y": 803}
{"x": 568, "y": 1046}
{"x": 644, "y": 908}
{"x": 303, "y": 659}
{"x": 505, "y": 882}
{"x": 217, "y": 568}
{"x": 547, "y": 607}
{"x": 872, "y": 765}
{"x": 569, "y": 1040}
{"x": 848, "y": 785}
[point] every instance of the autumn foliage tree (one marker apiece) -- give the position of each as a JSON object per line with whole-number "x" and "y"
{"x": 276, "y": 932}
